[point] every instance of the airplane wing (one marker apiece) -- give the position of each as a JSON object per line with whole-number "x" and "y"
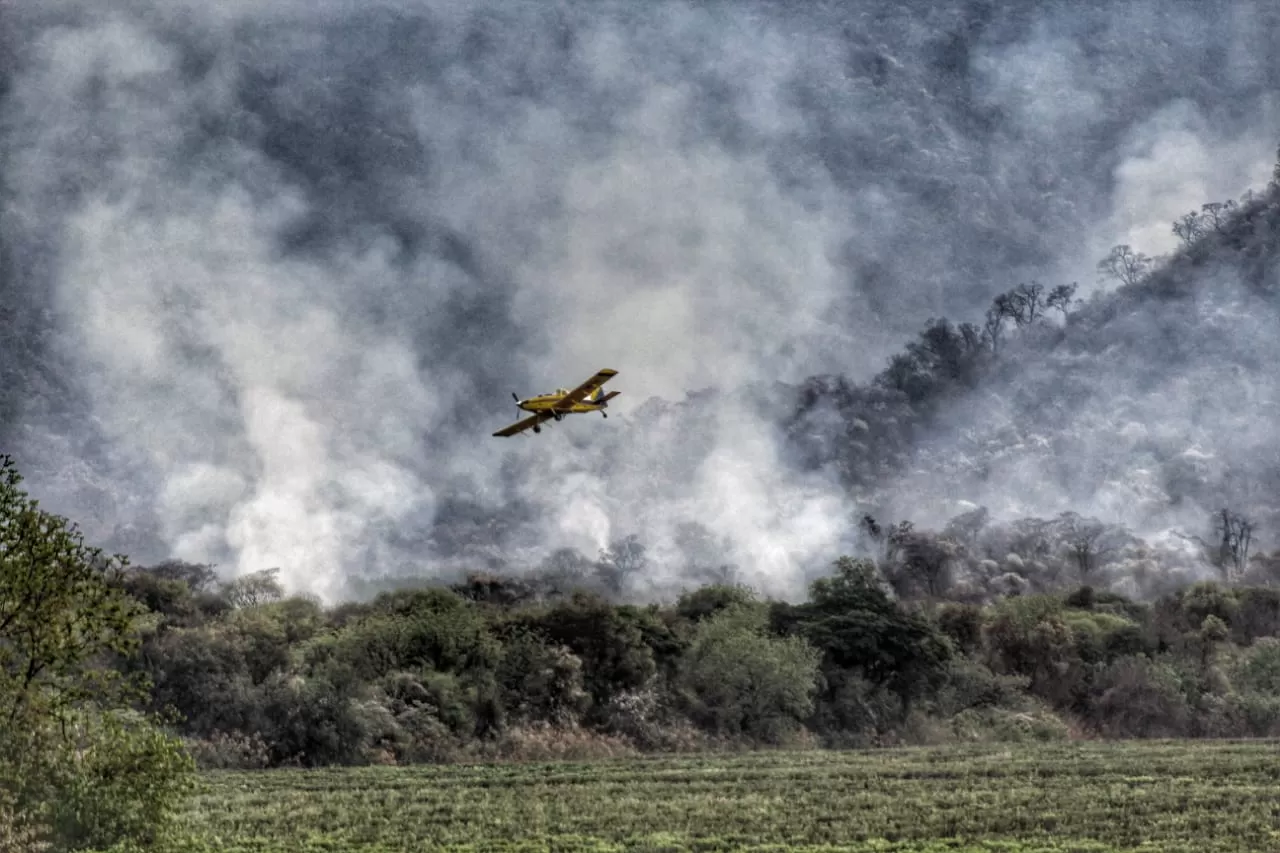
{"x": 601, "y": 377}
{"x": 522, "y": 425}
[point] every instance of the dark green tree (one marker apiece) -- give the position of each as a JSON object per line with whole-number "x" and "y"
{"x": 859, "y": 629}
{"x": 608, "y": 640}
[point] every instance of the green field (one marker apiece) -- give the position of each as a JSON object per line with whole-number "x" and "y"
{"x": 1153, "y": 796}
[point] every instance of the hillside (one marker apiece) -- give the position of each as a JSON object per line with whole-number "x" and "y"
{"x": 1151, "y": 407}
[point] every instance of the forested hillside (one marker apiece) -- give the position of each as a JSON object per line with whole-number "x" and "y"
{"x": 1141, "y": 418}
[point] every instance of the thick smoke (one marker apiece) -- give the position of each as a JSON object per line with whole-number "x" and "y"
{"x": 1175, "y": 161}
{"x": 1147, "y": 411}
{"x": 299, "y": 255}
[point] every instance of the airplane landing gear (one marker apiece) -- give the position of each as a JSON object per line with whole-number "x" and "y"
{"x": 537, "y": 429}
{"x": 604, "y": 414}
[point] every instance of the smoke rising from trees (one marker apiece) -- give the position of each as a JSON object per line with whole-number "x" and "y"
{"x": 277, "y": 267}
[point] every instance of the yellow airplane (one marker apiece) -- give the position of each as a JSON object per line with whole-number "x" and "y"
{"x": 587, "y": 397}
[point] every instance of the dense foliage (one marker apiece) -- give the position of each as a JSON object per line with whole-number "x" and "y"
{"x": 505, "y": 668}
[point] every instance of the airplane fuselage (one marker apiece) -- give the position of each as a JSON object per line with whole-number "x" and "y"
{"x": 552, "y": 403}
{"x": 546, "y": 402}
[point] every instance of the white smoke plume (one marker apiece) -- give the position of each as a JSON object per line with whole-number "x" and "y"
{"x": 299, "y": 255}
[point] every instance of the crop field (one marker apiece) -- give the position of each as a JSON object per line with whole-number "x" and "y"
{"x": 1151, "y": 796}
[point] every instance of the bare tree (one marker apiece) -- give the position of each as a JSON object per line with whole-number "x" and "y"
{"x": 704, "y": 554}
{"x": 1125, "y": 264}
{"x": 1021, "y": 305}
{"x": 197, "y": 576}
{"x": 623, "y": 558}
{"x": 1189, "y": 228}
{"x": 1235, "y": 535}
{"x": 919, "y": 560}
{"x": 877, "y": 534}
{"x": 971, "y": 336}
{"x": 254, "y": 588}
{"x": 722, "y": 574}
{"x": 993, "y": 328}
{"x": 1230, "y": 552}
{"x": 1216, "y": 214}
{"x": 561, "y": 572}
{"x": 488, "y": 588}
{"x": 1031, "y": 538}
{"x": 1085, "y": 542}
{"x": 895, "y": 537}
{"x": 1061, "y": 298}
{"x": 965, "y": 528}
{"x": 1005, "y": 305}
{"x": 1028, "y": 302}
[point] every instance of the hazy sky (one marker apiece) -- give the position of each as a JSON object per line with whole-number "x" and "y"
{"x": 298, "y": 255}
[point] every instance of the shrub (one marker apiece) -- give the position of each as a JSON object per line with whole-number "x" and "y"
{"x": 855, "y": 711}
{"x": 229, "y": 751}
{"x": 1002, "y": 725}
{"x": 545, "y": 742}
{"x": 1138, "y": 697}
{"x": 646, "y": 718}
{"x": 128, "y": 780}
{"x": 70, "y": 759}
{"x": 18, "y": 832}
{"x": 98, "y": 778}
{"x": 1030, "y": 636}
{"x": 1103, "y": 637}
{"x": 707, "y": 601}
{"x": 962, "y": 623}
{"x": 971, "y": 685}
{"x": 1258, "y": 669}
{"x": 541, "y": 682}
{"x": 736, "y": 680}
{"x": 1259, "y": 715}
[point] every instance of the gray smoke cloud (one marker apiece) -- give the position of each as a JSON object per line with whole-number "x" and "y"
{"x": 299, "y": 255}
{"x": 1148, "y": 411}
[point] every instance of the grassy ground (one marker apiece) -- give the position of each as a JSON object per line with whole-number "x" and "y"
{"x": 1193, "y": 797}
